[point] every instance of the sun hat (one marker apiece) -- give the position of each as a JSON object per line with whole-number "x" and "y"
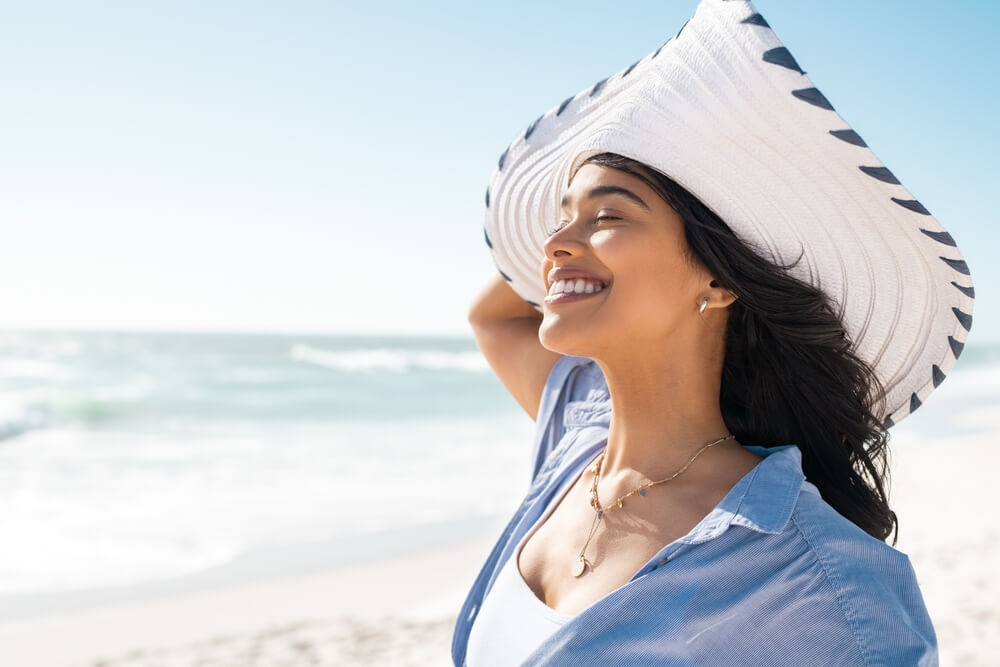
{"x": 724, "y": 110}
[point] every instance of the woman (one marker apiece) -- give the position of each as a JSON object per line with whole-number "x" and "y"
{"x": 709, "y": 479}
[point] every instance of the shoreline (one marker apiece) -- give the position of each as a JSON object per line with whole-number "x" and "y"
{"x": 346, "y": 612}
{"x": 401, "y": 610}
{"x": 260, "y": 565}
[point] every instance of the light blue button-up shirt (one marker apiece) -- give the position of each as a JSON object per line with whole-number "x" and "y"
{"x": 772, "y": 576}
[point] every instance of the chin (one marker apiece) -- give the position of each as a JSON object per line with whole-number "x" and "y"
{"x": 563, "y": 336}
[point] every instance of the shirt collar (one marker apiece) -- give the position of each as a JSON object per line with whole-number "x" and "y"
{"x": 762, "y": 500}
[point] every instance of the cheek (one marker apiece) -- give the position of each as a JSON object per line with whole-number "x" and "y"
{"x": 651, "y": 263}
{"x": 654, "y": 285}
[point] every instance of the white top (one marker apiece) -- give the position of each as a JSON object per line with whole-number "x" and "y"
{"x": 512, "y": 621}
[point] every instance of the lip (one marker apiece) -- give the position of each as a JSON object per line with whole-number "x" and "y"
{"x": 566, "y": 297}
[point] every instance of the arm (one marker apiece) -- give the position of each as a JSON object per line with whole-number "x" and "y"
{"x": 506, "y": 331}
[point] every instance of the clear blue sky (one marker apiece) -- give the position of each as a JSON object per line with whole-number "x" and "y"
{"x": 318, "y": 166}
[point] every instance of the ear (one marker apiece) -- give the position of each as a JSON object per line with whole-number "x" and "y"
{"x": 718, "y": 296}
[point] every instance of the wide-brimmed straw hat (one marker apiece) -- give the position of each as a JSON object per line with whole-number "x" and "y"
{"x": 725, "y": 110}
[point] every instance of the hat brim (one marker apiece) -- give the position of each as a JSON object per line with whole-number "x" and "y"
{"x": 725, "y": 110}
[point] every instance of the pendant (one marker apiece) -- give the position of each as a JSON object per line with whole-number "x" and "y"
{"x": 579, "y": 566}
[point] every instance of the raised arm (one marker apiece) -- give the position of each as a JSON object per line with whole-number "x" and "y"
{"x": 506, "y": 330}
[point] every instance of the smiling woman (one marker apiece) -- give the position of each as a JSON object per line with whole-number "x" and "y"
{"x": 637, "y": 249}
{"x": 683, "y": 341}
{"x": 717, "y": 354}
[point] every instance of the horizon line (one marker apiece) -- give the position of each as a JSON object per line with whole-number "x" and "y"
{"x": 223, "y": 331}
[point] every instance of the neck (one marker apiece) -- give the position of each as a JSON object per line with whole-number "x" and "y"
{"x": 664, "y": 410}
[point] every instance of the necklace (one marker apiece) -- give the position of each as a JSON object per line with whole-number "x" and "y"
{"x": 581, "y": 564}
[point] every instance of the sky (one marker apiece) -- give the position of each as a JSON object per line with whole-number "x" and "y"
{"x": 320, "y": 166}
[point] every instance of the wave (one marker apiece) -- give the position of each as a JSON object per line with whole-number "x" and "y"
{"x": 35, "y": 369}
{"x": 43, "y": 407}
{"x": 17, "y": 418}
{"x": 388, "y": 359}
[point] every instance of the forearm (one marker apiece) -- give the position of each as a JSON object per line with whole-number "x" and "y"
{"x": 497, "y": 301}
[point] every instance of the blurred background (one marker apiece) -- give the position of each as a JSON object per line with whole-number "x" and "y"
{"x": 237, "y": 248}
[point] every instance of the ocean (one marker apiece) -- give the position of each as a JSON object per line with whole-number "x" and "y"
{"x": 133, "y": 464}
{"x": 139, "y": 464}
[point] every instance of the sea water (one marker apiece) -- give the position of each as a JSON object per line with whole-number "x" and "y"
{"x": 144, "y": 463}
{"x": 159, "y": 459}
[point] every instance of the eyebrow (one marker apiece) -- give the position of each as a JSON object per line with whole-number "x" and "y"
{"x": 602, "y": 190}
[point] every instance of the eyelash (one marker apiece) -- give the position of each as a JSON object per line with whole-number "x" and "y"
{"x": 597, "y": 219}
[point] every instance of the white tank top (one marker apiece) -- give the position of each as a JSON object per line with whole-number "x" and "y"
{"x": 512, "y": 621}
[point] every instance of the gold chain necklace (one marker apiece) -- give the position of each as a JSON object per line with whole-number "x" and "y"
{"x": 581, "y": 564}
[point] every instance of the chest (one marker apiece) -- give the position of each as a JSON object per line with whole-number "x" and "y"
{"x": 622, "y": 543}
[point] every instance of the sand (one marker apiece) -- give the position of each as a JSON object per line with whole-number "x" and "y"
{"x": 402, "y": 611}
{"x": 399, "y": 611}
{"x": 942, "y": 493}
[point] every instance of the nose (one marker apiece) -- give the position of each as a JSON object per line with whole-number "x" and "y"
{"x": 564, "y": 242}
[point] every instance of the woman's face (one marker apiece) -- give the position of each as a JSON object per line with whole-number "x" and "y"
{"x": 616, "y": 231}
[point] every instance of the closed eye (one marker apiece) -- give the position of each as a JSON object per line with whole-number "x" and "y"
{"x": 597, "y": 219}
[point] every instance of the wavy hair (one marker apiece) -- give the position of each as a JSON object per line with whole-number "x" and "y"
{"x": 790, "y": 374}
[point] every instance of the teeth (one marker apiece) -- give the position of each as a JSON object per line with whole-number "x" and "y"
{"x": 575, "y": 286}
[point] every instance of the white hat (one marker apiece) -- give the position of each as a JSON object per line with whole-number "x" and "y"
{"x": 724, "y": 110}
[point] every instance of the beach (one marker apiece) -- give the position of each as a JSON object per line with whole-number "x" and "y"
{"x": 942, "y": 495}
{"x": 242, "y": 501}
{"x": 234, "y": 499}
{"x": 401, "y": 611}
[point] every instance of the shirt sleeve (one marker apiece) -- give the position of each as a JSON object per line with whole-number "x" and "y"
{"x": 877, "y": 591}
{"x": 898, "y": 630}
{"x": 573, "y": 386}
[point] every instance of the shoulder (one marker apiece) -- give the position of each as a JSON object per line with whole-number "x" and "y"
{"x": 874, "y": 585}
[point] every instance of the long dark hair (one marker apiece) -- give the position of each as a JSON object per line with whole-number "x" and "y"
{"x": 790, "y": 374}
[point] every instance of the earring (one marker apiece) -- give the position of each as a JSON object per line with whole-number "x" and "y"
{"x": 704, "y": 304}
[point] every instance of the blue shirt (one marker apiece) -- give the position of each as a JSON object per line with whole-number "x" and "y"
{"x": 773, "y": 575}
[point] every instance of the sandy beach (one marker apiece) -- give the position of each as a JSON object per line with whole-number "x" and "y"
{"x": 401, "y": 611}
